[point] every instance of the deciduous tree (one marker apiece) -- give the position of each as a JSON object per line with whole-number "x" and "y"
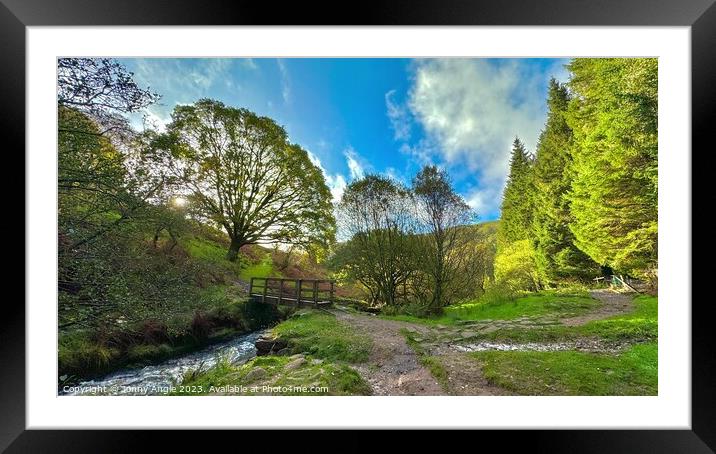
{"x": 240, "y": 172}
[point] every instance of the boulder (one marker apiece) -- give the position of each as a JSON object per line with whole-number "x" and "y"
{"x": 269, "y": 345}
{"x": 296, "y": 363}
{"x": 254, "y": 374}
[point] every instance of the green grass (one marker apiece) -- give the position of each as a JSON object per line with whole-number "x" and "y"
{"x": 633, "y": 372}
{"x": 214, "y": 254}
{"x": 432, "y": 363}
{"x": 264, "y": 268}
{"x": 556, "y": 304}
{"x": 211, "y": 253}
{"x": 76, "y": 351}
{"x": 326, "y": 378}
{"x": 642, "y": 323}
{"x": 322, "y": 336}
{"x": 639, "y": 325}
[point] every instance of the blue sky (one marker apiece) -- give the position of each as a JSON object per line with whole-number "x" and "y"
{"x": 388, "y": 116}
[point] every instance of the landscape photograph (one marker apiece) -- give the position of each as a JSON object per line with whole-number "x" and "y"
{"x": 357, "y": 226}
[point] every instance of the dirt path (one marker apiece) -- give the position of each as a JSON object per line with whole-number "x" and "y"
{"x": 394, "y": 369}
{"x": 613, "y": 303}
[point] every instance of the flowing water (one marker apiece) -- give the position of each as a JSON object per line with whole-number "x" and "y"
{"x": 585, "y": 345}
{"x": 158, "y": 379}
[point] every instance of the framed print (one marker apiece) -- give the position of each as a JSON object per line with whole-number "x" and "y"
{"x": 471, "y": 216}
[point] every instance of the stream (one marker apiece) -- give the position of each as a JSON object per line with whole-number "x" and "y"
{"x": 158, "y": 379}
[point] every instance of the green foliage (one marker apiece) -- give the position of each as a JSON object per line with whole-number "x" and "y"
{"x": 381, "y": 251}
{"x": 633, "y": 372}
{"x": 244, "y": 175}
{"x": 615, "y": 170}
{"x": 556, "y": 256}
{"x": 516, "y": 202}
{"x": 516, "y": 267}
{"x": 444, "y": 248}
{"x": 76, "y": 352}
{"x": 322, "y": 336}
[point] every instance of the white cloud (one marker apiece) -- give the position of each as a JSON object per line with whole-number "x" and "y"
{"x": 285, "y": 81}
{"x": 471, "y": 111}
{"x": 484, "y": 200}
{"x": 336, "y": 182}
{"x": 355, "y": 166}
{"x": 398, "y": 116}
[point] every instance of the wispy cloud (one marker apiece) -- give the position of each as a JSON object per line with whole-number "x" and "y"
{"x": 355, "y": 165}
{"x": 285, "y": 81}
{"x": 249, "y": 63}
{"x": 399, "y": 117}
{"x": 180, "y": 81}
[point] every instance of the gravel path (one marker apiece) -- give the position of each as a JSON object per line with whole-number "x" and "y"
{"x": 613, "y": 303}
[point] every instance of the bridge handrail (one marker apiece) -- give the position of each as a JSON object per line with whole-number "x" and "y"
{"x": 296, "y": 292}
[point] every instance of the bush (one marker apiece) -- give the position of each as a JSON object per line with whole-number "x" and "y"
{"x": 200, "y": 326}
{"x": 515, "y": 267}
{"x": 413, "y": 309}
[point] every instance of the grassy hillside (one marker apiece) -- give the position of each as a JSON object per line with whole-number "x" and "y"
{"x": 167, "y": 298}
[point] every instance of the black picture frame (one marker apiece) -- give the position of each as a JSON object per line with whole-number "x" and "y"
{"x": 700, "y": 15}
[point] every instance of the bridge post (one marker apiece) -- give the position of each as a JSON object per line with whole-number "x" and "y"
{"x": 315, "y": 293}
{"x": 251, "y": 286}
{"x": 263, "y": 296}
{"x": 280, "y": 292}
{"x": 332, "y": 291}
{"x": 299, "y": 284}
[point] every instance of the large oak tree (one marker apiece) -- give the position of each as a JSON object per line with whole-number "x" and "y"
{"x": 239, "y": 171}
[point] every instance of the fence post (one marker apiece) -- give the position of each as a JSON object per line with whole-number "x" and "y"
{"x": 332, "y": 290}
{"x": 251, "y": 286}
{"x": 299, "y": 283}
{"x": 280, "y": 292}
{"x": 263, "y": 296}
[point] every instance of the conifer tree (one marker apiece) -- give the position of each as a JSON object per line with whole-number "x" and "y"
{"x": 556, "y": 255}
{"x": 614, "y": 189}
{"x": 516, "y": 203}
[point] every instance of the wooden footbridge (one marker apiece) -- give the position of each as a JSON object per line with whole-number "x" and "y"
{"x": 295, "y": 292}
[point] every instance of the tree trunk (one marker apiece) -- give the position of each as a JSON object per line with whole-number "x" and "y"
{"x": 234, "y": 247}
